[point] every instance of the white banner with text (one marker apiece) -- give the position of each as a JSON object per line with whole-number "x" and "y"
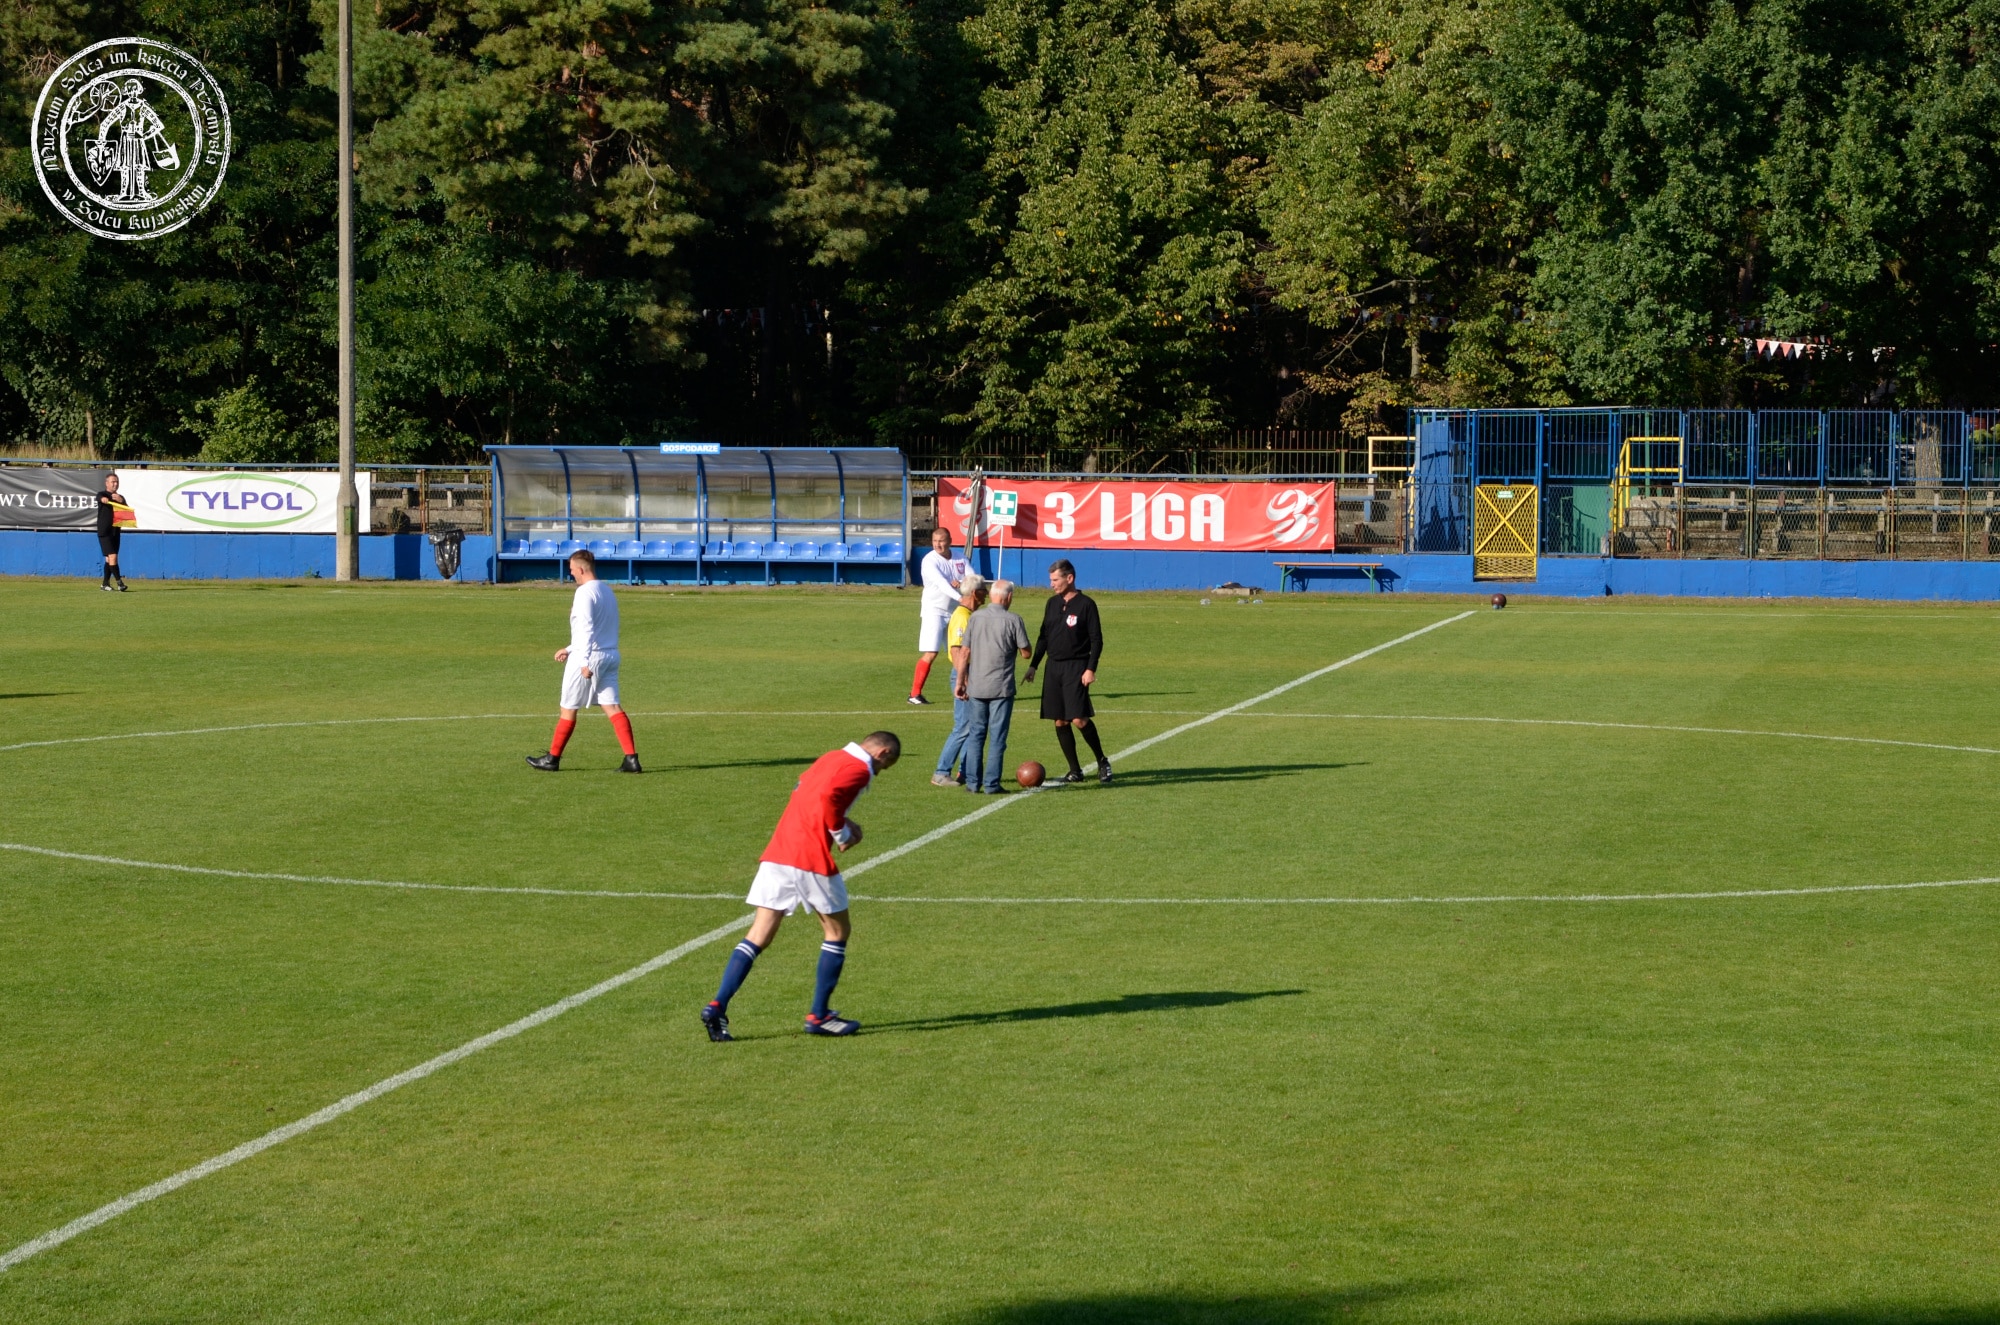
{"x": 237, "y": 502}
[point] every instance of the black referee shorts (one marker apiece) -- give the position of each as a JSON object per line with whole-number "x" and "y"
{"x": 1064, "y": 695}
{"x": 108, "y": 543}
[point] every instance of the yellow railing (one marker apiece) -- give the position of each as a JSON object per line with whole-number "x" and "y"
{"x": 1621, "y": 483}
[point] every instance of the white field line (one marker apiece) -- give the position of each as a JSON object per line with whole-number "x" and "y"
{"x": 1613, "y": 726}
{"x": 1003, "y": 802}
{"x": 105, "y": 1213}
{"x": 356, "y": 883}
{"x": 1434, "y": 901}
{"x": 454, "y": 717}
{"x": 862, "y": 867}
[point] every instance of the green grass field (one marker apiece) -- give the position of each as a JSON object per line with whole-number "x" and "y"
{"x": 1776, "y": 1108}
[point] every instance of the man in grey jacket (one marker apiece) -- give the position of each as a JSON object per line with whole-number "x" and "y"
{"x": 994, "y": 639}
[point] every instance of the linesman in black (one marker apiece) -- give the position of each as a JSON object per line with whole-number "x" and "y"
{"x": 107, "y": 533}
{"x": 1073, "y": 639}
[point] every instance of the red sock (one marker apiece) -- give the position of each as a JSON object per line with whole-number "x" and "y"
{"x": 623, "y": 726}
{"x": 923, "y": 675}
{"x": 564, "y": 726}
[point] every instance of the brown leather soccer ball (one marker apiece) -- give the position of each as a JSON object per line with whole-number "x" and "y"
{"x": 1030, "y": 774}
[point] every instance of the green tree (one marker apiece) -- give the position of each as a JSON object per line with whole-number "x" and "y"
{"x": 1120, "y": 254}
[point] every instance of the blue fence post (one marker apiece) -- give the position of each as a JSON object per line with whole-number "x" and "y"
{"x": 1756, "y": 441}
{"x": 1541, "y": 481}
{"x": 1823, "y": 470}
{"x": 700, "y": 521}
{"x": 495, "y": 516}
{"x": 569, "y": 501}
{"x": 638, "y": 519}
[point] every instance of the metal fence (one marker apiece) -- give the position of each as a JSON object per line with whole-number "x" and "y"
{"x": 1777, "y": 447}
{"x": 1248, "y": 452}
{"x": 1931, "y": 523}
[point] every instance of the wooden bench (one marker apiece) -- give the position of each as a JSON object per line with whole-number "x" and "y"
{"x": 1295, "y": 571}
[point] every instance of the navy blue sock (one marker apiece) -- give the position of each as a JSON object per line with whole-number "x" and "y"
{"x": 736, "y": 972}
{"x": 832, "y": 956}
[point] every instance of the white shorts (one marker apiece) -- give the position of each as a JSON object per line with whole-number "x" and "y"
{"x": 600, "y": 687}
{"x": 930, "y": 636}
{"x": 787, "y": 888}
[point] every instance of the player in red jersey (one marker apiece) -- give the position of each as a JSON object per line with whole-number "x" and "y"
{"x": 797, "y": 869}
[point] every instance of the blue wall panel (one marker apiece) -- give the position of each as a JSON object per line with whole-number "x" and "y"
{"x": 409, "y": 557}
{"x": 233, "y": 556}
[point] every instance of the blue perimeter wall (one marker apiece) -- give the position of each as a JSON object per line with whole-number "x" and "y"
{"x": 408, "y": 557}
{"x": 1970, "y": 581}
{"x": 234, "y": 556}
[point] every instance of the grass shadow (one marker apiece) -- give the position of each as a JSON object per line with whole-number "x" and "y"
{"x": 1103, "y": 1007}
{"x": 796, "y": 761}
{"x": 41, "y": 694}
{"x": 1145, "y": 777}
{"x": 1877, "y": 1314}
{"x": 1183, "y": 1309}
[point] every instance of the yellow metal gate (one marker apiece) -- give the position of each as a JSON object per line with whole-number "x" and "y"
{"x": 1504, "y": 525}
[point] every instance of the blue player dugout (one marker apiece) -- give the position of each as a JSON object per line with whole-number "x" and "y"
{"x": 692, "y": 513}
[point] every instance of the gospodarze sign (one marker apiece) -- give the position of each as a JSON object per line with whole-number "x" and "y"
{"x": 38, "y": 498}
{"x": 238, "y": 502}
{"x": 131, "y": 138}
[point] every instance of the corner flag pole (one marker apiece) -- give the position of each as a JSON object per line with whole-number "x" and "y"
{"x": 347, "y": 539}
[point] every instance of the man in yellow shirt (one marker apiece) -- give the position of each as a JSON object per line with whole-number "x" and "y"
{"x": 972, "y": 594}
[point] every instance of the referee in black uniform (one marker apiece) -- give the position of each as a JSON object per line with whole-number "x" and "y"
{"x": 107, "y": 533}
{"x": 1073, "y": 639}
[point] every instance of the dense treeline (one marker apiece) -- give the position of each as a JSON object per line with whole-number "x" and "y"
{"x": 609, "y": 220}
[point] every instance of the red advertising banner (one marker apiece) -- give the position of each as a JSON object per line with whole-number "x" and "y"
{"x": 1200, "y": 517}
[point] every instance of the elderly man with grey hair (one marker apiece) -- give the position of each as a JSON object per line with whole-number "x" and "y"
{"x": 994, "y": 639}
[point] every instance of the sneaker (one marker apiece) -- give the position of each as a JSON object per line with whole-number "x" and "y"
{"x": 121, "y": 587}
{"x": 716, "y": 1022}
{"x": 943, "y": 780}
{"x": 107, "y": 588}
{"x": 1071, "y": 778}
{"x": 546, "y": 762}
{"x": 1104, "y": 772}
{"x": 918, "y": 699}
{"x": 831, "y": 1024}
{"x": 631, "y": 765}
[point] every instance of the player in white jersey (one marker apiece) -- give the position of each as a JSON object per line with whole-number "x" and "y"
{"x": 590, "y": 665}
{"x": 940, "y": 575}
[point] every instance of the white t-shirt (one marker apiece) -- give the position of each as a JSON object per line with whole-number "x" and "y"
{"x": 941, "y": 575}
{"x": 593, "y": 620}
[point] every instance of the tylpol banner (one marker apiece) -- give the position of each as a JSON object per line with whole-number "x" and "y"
{"x": 1201, "y": 517}
{"x": 292, "y": 502}
{"x": 34, "y": 497}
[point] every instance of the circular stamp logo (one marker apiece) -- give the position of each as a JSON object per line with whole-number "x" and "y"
{"x": 131, "y": 138}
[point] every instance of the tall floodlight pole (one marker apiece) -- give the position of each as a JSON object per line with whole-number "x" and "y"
{"x": 347, "y": 542}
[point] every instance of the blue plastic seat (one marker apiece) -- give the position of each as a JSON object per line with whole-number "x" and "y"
{"x": 777, "y": 551}
{"x": 514, "y": 547}
{"x": 890, "y": 552}
{"x": 804, "y": 551}
{"x": 631, "y": 548}
{"x": 658, "y": 547}
{"x": 830, "y": 552}
{"x": 684, "y": 548}
{"x": 860, "y": 551}
{"x": 747, "y": 550}
{"x": 567, "y": 546}
{"x": 717, "y": 549}
{"x": 542, "y": 547}
{"x": 603, "y": 547}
